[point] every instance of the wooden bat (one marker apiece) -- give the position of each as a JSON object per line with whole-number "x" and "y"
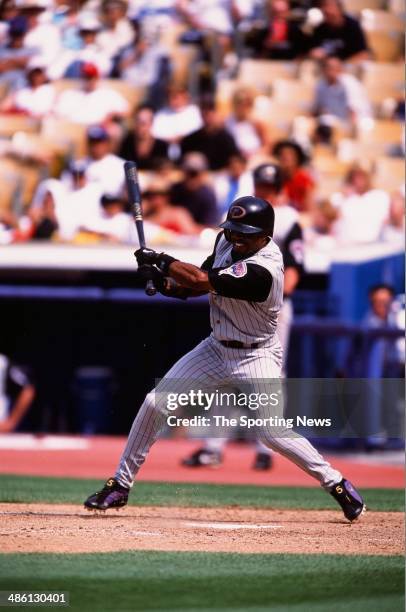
{"x": 134, "y": 193}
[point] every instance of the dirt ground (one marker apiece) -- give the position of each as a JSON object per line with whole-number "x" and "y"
{"x": 71, "y": 529}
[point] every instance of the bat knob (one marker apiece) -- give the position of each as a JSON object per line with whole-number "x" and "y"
{"x": 150, "y": 288}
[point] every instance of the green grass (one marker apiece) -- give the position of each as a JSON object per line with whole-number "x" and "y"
{"x": 27, "y": 489}
{"x": 211, "y": 581}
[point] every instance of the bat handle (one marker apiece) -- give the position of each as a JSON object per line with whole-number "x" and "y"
{"x": 150, "y": 288}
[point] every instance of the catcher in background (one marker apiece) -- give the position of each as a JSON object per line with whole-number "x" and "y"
{"x": 244, "y": 279}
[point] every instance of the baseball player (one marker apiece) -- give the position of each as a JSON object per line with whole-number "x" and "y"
{"x": 244, "y": 279}
{"x": 268, "y": 185}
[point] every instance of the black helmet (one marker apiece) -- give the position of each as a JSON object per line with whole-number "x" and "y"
{"x": 250, "y": 215}
{"x": 269, "y": 175}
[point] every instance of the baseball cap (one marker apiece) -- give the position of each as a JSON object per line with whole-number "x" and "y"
{"x": 97, "y": 132}
{"x": 270, "y": 175}
{"x": 88, "y": 23}
{"x": 111, "y": 198}
{"x": 89, "y": 71}
{"x": 194, "y": 162}
{"x": 77, "y": 166}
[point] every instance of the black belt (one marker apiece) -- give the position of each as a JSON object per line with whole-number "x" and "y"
{"x": 238, "y": 345}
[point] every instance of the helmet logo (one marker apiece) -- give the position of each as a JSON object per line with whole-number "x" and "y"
{"x": 236, "y": 212}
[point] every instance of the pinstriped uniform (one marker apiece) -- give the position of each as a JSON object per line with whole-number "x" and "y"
{"x": 215, "y": 366}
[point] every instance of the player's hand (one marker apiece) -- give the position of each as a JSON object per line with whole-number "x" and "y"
{"x": 147, "y": 272}
{"x": 147, "y": 257}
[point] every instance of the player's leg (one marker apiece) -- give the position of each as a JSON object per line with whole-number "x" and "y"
{"x": 203, "y": 363}
{"x": 287, "y": 442}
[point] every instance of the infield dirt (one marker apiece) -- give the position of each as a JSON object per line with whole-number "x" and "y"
{"x": 58, "y": 528}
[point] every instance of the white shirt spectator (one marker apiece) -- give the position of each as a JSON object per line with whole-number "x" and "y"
{"x": 36, "y": 102}
{"x": 44, "y": 41}
{"x": 76, "y": 208}
{"x": 362, "y": 217}
{"x": 92, "y": 107}
{"x": 172, "y": 124}
{"x": 107, "y": 173}
{"x": 111, "y": 41}
{"x": 91, "y": 54}
{"x": 120, "y": 226}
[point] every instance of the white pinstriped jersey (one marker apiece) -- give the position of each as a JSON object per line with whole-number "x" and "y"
{"x": 248, "y": 322}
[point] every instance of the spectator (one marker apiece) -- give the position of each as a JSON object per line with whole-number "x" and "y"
{"x": 37, "y": 98}
{"x": 179, "y": 118}
{"x": 282, "y": 39}
{"x": 102, "y": 166}
{"x": 339, "y": 34}
{"x": 250, "y": 133}
{"x": 319, "y": 233}
{"x": 298, "y": 181}
{"x": 70, "y": 61}
{"x": 234, "y": 182}
{"x": 118, "y": 31}
{"x": 91, "y": 103}
{"x": 340, "y": 96}
{"x": 363, "y": 211}
{"x": 394, "y": 230}
{"x": 159, "y": 211}
{"x": 140, "y": 62}
{"x": 194, "y": 193}
{"x": 42, "y": 39}
{"x": 14, "y": 56}
{"x": 212, "y": 139}
{"x": 112, "y": 223}
{"x": 17, "y": 393}
{"x": 139, "y": 145}
{"x": 66, "y": 16}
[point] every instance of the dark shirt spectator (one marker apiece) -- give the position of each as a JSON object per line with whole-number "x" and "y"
{"x": 140, "y": 145}
{"x": 339, "y": 35}
{"x": 193, "y": 193}
{"x": 282, "y": 39}
{"x": 212, "y": 140}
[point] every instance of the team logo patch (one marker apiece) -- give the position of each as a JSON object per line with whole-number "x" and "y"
{"x": 237, "y": 212}
{"x": 237, "y": 270}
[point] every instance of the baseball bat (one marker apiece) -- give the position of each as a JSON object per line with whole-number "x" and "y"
{"x": 134, "y": 193}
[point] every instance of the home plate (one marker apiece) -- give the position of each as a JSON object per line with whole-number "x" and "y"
{"x": 229, "y": 525}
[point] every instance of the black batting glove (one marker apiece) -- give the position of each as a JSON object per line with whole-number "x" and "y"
{"x": 146, "y": 256}
{"x": 150, "y": 257}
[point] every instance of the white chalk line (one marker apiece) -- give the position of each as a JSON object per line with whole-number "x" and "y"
{"x": 229, "y": 526}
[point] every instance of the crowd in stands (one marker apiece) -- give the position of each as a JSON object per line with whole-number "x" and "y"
{"x": 198, "y": 93}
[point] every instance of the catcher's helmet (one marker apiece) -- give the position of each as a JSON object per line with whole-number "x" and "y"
{"x": 269, "y": 175}
{"x": 250, "y": 215}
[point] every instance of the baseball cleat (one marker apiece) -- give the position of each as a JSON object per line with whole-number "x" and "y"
{"x": 349, "y": 499}
{"x": 263, "y": 462}
{"x": 202, "y": 458}
{"x": 112, "y": 495}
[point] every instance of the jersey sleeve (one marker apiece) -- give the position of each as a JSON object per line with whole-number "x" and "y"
{"x": 293, "y": 254}
{"x": 242, "y": 281}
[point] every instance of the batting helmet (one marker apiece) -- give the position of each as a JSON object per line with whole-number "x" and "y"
{"x": 250, "y": 215}
{"x": 269, "y": 175}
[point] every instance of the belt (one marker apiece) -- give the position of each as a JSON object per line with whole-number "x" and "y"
{"x": 236, "y": 344}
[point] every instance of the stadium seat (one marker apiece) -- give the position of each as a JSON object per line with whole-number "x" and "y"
{"x": 285, "y": 90}
{"x": 383, "y": 80}
{"x": 356, "y": 6}
{"x": 9, "y": 187}
{"x": 262, "y": 73}
{"x": 29, "y": 175}
{"x": 383, "y": 131}
{"x": 66, "y": 134}
{"x": 385, "y": 46}
{"x": 382, "y": 21}
{"x": 12, "y": 123}
{"x": 389, "y": 173}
